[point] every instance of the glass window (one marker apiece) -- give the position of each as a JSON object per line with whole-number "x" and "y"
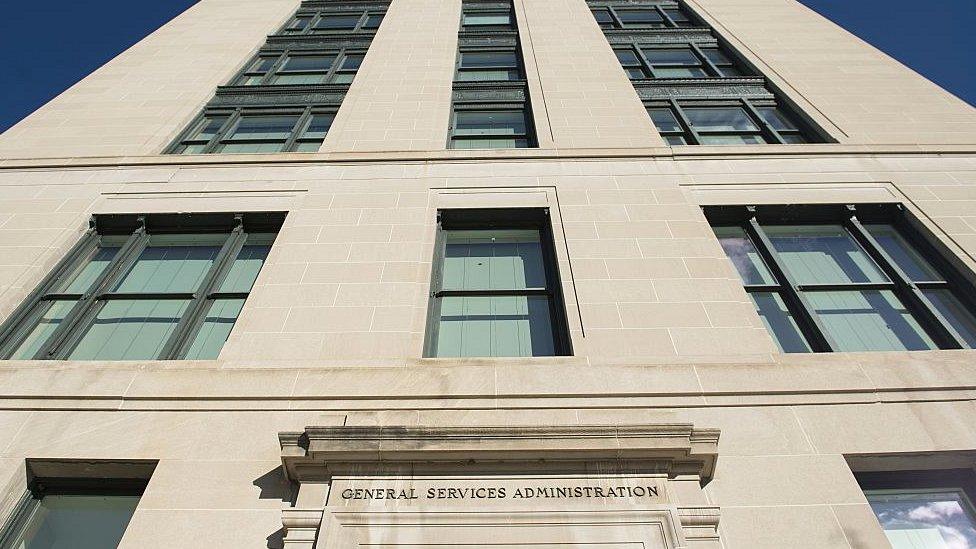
{"x": 489, "y": 130}
{"x": 338, "y": 22}
{"x": 751, "y": 139}
{"x": 373, "y": 21}
{"x": 664, "y": 120}
{"x": 143, "y": 305}
{"x": 493, "y": 295}
{"x": 828, "y": 284}
{"x": 823, "y": 254}
{"x": 674, "y": 63}
{"x": 679, "y": 18}
{"x": 73, "y": 521}
{"x": 487, "y": 66}
{"x": 640, "y": 17}
{"x": 923, "y": 519}
{"x": 603, "y": 18}
{"x": 487, "y": 19}
{"x": 722, "y": 119}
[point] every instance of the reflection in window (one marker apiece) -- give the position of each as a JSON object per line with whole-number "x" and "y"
{"x": 495, "y": 294}
{"x": 174, "y": 295}
{"x": 925, "y": 519}
{"x": 834, "y": 284}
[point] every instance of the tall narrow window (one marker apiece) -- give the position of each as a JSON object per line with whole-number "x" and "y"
{"x": 144, "y": 287}
{"x": 847, "y": 278}
{"x": 495, "y": 287}
{"x": 923, "y": 509}
{"x": 76, "y": 512}
{"x": 489, "y": 63}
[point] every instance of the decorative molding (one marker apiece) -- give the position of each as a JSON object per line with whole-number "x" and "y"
{"x": 317, "y": 41}
{"x": 675, "y": 449}
{"x": 490, "y": 92}
{"x": 279, "y": 96}
{"x": 492, "y": 40}
{"x": 632, "y": 3}
{"x": 348, "y": 5}
{"x": 702, "y": 88}
{"x": 621, "y": 37}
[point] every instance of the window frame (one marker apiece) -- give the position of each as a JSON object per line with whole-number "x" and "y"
{"x": 616, "y": 23}
{"x": 956, "y": 278}
{"x": 281, "y": 58}
{"x": 711, "y": 69}
{"x": 318, "y": 15}
{"x": 234, "y": 114}
{"x": 457, "y": 107}
{"x": 503, "y": 219}
{"x": 137, "y": 228}
{"x": 473, "y": 8}
{"x": 692, "y": 136}
{"x": 515, "y": 51}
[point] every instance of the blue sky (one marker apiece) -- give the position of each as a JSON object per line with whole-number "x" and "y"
{"x": 48, "y": 46}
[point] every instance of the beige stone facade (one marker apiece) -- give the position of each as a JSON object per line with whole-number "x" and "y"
{"x": 671, "y": 364}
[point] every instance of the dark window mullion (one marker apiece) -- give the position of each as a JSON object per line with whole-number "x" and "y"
{"x": 768, "y": 131}
{"x": 190, "y": 322}
{"x": 804, "y": 314}
{"x": 219, "y": 135}
{"x": 644, "y": 61}
{"x": 707, "y": 63}
{"x": 13, "y": 331}
{"x": 67, "y": 334}
{"x": 297, "y": 129}
{"x": 667, "y": 18}
{"x": 616, "y": 21}
{"x": 691, "y": 133}
{"x": 937, "y": 326}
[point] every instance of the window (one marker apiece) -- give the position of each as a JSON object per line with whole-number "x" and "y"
{"x": 257, "y": 131}
{"x": 495, "y": 286}
{"x": 687, "y": 61}
{"x": 301, "y": 68}
{"x": 846, "y": 278}
{"x": 923, "y": 509}
{"x": 76, "y": 512}
{"x": 486, "y": 66}
{"x": 742, "y": 122}
{"x": 332, "y": 22}
{"x": 490, "y": 129}
{"x": 162, "y": 286}
{"x": 644, "y": 17}
{"x": 473, "y": 19}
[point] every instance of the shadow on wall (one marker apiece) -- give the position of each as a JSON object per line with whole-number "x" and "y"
{"x": 274, "y": 486}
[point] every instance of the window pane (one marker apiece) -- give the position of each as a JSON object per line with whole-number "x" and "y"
{"x": 216, "y": 327}
{"x": 664, "y": 120}
{"x": 309, "y": 63}
{"x": 488, "y": 59}
{"x": 641, "y": 17}
{"x": 172, "y": 263}
{"x": 730, "y": 71}
{"x": 338, "y": 22}
{"x": 308, "y": 146}
{"x": 676, "y": 56}
{"x": 373, "y": 21}
{"x": 603, "y": 17}
{"x": 923, "y": 519}
{"x": 627, "y": 57}
{"x": 49, "y": 321}
{"x": 490, "y": 143}
{"x": 679, "y": 72}
{"x": 248, "y": 263}
{"x": 84, "y": 276}
{"x": 776, "y": 118}
{"x": 675, "y": 140}
{"x": 731, "y": 139}
{"x": 318, "y": 126}
{"x": 822, "y": 254}
{"x": 297, "y": 79}
{"x": 494, "y": 326}
{"x": 793, "y": 139}
{"x": 744, "y": 255}
{"x": 479, "y": 19}
{"x": 264, "y": 127}
{"x": 207, "y": 128}
{"x": 678, "y": 17}
{"x": 720, "y": 119}
{"x": 130, "y": 329}
{"x": 242, "y": 148}
{"x": 76, "y": 522}
{"x": 490, "y": 123}
{"x": 299, "y": 23}
{"x": 716, "y": 56}
{"x": 352, "y": 62}
{"x": 493, "y": 259}
{"x": 869, "y": 320}
{"x": 487, "y": 75}
{"x": 955, "y": 313}
{"x": 780, "y": 323}
{"x": 902, "y": 253}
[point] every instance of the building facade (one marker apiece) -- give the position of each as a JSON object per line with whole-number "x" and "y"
{"x": 490, "y": 273}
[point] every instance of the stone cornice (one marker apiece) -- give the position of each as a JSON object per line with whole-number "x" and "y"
{"x": 319, "y": 452}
